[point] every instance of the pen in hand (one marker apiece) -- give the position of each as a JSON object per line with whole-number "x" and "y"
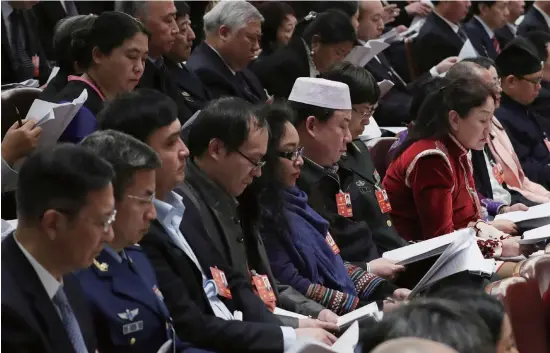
{"x": 18, "y": 116}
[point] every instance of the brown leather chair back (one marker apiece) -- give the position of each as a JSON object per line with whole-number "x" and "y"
{"x": 411, "y": 62}
{"x": 22, "y": 98}
{"x": 379, "y": 154}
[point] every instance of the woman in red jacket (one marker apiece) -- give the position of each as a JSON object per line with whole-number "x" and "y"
{"x": 430, "y": 183}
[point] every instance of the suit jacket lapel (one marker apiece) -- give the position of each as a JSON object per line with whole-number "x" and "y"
{"x": 46, "y": 314}
{"x": 117, "y": 274}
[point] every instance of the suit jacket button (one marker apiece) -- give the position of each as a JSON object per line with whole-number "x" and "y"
{"x": 236, "y": 220}
{"x": 240, "y": 240}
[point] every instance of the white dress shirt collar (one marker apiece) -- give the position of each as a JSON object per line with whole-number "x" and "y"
{"x": 489, "y": 31}
{"x": 48, "y": 281}
{"x": 453, "y": 26}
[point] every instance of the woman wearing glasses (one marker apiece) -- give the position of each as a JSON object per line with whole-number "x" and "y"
{"x": 301, "y": 251}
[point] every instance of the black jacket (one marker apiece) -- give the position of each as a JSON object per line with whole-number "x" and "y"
{"x": 533, "y": 21}
{"x": 480, "y": 39}
{"x": 220, "y": 81}
{"x": 181, "y": 283}
{"x": 279, "y": 71}
{"x": 504, "y": 35}
{"x": 30, "y": 321}
{"x": 191, "y": 87}
{"x": 236, "y": 238}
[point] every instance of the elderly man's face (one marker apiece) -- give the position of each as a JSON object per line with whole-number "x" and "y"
{"x": 160, "y": 19}
{"x": 241, "y": 45}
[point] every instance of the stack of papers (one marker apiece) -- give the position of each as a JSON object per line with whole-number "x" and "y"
{"x": 345, "y": 344}
{"x": 360, "y": 55}
{"x": 536, "y": 235}
{"x": 467, "y": 51}
{"x": 54, "y": 118}
{"x": 535, "y": 217}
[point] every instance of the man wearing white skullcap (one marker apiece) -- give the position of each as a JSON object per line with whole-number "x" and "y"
{"x": 323, "y": 113}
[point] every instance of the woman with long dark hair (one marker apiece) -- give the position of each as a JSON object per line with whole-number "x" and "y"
{"x": 430, "y": 182}
{"x": 301, "y": 251}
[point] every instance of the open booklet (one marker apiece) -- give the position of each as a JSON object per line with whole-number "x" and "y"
{"x": 370, "y": 310}
{"x": 360, "y": 55}
{"x": 534, "y": 217}
{"x": 536, "y": 235}
{"x": 345, "y": 344}
{"x": 462, "y": 254}
{"x": 54, "y": 118}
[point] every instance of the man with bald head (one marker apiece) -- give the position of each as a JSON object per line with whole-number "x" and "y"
{"x": 412, "y": 345}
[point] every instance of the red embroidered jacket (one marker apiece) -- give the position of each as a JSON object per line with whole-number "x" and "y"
{"x": 431, "y": 189}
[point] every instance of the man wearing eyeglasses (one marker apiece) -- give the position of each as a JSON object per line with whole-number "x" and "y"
{"x": 520, "y": 70}
{"x": 121, "y": 287}
{"x": 65, "y": 206}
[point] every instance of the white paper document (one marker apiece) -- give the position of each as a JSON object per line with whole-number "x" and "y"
{"x": 539, "y": 211}
{"x": 360, "y": 55}
{"x": 467, "y": 51}
{"x": 191, "y": 120}
{"x": 358, "y": 314}
{"x": 536, "y": 235}
{"x": 54, "y": 118}
{"x": 8, "y": 227}
{"x": 424, "y": 249}
{"x": 462, "y": 254}
{"x": 283, "y": 312}
{"x": 391, "y": 36}
{"x": 371, "y": 131}
{"x": 166, "y": 347}
{"x": 385, "y": 87}
{"x": 345, "y": 344}
{"x": 54, "y": 72}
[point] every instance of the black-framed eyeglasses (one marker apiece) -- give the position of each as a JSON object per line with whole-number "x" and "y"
{"x": 535, "y": 81}
{"x": 257, "y": 164}
{"x": 292, "y": 156}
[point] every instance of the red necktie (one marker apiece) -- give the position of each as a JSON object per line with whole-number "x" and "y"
{"x": 496, "y": 45}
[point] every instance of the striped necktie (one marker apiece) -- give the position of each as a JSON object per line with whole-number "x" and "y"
{"x": 70, "y": 322}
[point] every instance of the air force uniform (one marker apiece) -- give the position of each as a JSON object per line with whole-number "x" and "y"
{"x": 127, "y": 306}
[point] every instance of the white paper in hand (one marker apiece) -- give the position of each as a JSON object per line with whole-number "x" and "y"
{"x": 536, "y": 235}
{"x": 54, "y": 72}
{"x": 361, "y": 55}
{"x": 165, "y": 348}
{"x": 539, "y": 211}
{"x": 54, "y": 118}
{"x": 345, "y": 344}
{"x": 385, "y": 87}
{"x": 467, "y": 51}
{"x": 391, "y": 36}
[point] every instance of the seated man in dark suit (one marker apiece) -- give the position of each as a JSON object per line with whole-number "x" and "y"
{"x": 204, "y": 309}
{"x": 488, "y": 17}
{"x": 159, "y": 17}
{"x": 393, "y": 108}
{"x": 233, "y": 30}
{"x": 537, "y": 18}
{"x": 505, "y": 34}
{"x": 441, "y": 35}
{"x": 192, "y": 88}
{"x": 541, "y": 41}
{"x": 23, "y": 56}
{"x": 65, "y": 206}
{"x": 520, "y": 71}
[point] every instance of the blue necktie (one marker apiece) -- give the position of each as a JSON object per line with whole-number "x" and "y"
{"x": 69, "y": 321}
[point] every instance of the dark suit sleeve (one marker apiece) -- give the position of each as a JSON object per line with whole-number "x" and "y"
{"x": 431, "y": 50}
{"x": 206, "y": 330}
{"x": 216, "y": 85}
{"x": 393, "y": 109}
{"x": 276, "y": 78}
{"x": 17, "y": 335}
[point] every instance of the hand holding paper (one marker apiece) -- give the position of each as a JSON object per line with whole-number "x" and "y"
{"x": 361, "y": 55}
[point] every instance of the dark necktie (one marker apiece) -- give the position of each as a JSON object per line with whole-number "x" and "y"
{"x": 246, "y": 87}
{"x": 496, "y": 44}
{"x": 23, "y": 62}
{"x": 463, "y": 36}
{"x": 70, "y": 8}
{"x": 69, "y": 320}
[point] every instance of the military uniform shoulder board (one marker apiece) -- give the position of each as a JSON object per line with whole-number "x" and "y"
{"x": 103, "y": 267}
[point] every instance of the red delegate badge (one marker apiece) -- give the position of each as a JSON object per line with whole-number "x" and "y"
{"x": 332, "y": 244}
{"x": 343, "y": 202}
{"x": 221, "y": 282}
{"x": 498, "y": 173}
{"x": 383, "y": 200}
{"x": 265, "y": 290}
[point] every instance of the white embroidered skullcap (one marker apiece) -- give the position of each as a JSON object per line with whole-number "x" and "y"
{"x": 321, "y": 93}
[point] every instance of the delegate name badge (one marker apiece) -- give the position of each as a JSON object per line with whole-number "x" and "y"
{"x": 383, "y": 200}
{"x": 343, "y": 203}
{"x": 221, "y": 282}
{"x": 264, "y": 288}
{"x": 498, "y": 173}
{"x": 330, "y": 241}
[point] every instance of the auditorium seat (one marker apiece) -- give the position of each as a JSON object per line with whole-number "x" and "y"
{"x": 379, "y": 153}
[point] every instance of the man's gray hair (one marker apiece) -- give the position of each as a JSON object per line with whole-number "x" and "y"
{"x": 233, "y": 14}
{"x": 465, "y": 69}
{"x": 134, "y": 8}
{"x": 125, "y": 153}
